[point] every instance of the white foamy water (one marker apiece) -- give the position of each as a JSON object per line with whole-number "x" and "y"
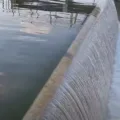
{"x": 114, "y": 102}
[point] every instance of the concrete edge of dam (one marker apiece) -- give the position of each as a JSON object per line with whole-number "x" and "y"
{"x": 80, "y": 52}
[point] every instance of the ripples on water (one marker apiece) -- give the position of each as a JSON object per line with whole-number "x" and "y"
{"x": 33, "y": 38}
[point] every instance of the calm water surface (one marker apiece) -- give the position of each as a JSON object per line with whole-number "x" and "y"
{"x": 32, "y": 42}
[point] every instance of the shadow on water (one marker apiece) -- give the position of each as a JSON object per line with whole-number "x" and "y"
{"x": 34, "y": 37}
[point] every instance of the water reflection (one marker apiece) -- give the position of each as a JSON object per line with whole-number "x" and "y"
{"x": 50, "y": 5}
{"x": 58, "y": 12}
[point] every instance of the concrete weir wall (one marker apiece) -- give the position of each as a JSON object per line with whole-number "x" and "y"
{"x": 83, "y": 92}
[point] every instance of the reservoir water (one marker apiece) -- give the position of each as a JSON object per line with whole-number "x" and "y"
{"x": 33, "y": 38}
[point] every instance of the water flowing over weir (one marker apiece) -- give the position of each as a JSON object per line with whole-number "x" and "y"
{"x": 83, "y": 93}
